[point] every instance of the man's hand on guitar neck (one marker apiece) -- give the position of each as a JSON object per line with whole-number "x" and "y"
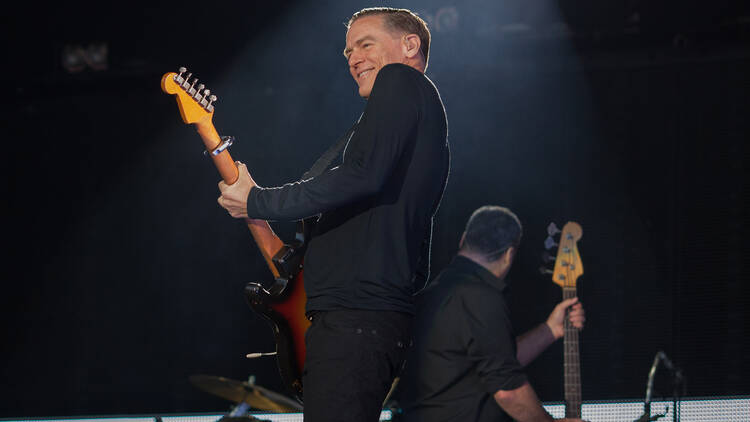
{"x": 576, "y": 315}
{"x": 234, "y": 197}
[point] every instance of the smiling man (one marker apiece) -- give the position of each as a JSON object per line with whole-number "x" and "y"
{"x": 369, "y": 250}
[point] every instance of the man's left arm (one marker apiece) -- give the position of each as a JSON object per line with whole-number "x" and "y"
{"x": 533, "y": 342}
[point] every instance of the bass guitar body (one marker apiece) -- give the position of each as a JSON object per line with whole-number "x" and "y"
{"x": 283, "y": 302}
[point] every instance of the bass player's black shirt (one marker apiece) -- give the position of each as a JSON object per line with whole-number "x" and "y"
{"x": 376, "y": 207}
{"x": 464, "y": 349}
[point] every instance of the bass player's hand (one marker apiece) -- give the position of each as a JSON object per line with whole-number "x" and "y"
{"x": 576, "y": 316}
{"x": 234, "y": 197}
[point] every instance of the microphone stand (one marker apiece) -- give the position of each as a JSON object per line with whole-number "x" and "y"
{"x": 646, "y": 417}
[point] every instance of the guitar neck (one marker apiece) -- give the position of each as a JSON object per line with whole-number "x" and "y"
{"x": 572, "y": 364}
{"x": 267, "y": 241}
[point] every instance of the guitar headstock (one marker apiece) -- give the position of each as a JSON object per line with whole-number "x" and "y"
{"x": 194, "y": 105}
{"x": 568, "y": 265}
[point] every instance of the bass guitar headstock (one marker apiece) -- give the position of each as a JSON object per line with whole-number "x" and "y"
{"x": 195, "y": 106}
{"x": 568, "y": 266}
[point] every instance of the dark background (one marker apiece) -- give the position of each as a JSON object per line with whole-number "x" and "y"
{"x": 122, "y": 276}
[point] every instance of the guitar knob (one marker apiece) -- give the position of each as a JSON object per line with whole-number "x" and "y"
{"x": 182, "y": 70}
{"x": 547, "y": 257}
{"x": 549, "y": 243}
{"x": 552, "y": 229}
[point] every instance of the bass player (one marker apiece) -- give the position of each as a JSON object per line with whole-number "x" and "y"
{"x": 466, "y": 364}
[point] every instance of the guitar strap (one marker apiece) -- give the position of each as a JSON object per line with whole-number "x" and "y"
{"x": 304, "y": 227}
{"x": 328, "y": 157}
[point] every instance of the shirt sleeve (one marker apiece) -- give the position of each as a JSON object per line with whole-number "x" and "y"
{"x": 384, "y": 131}
{"x": 490, "y": 342}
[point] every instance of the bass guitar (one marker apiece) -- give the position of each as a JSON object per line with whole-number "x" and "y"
{"x": 568, "y": 267}
{"x": 282, "y": 302}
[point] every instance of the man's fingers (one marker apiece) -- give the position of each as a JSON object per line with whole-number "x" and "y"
{"x": 577, "y": 316}
{"x": 568, "y": 302}
{"x": 242, "y": 168}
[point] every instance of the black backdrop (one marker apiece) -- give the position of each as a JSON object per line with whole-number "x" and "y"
{"x": 122, "y": 277}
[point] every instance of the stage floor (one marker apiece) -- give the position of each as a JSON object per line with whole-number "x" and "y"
{"x": 713, "y": 409}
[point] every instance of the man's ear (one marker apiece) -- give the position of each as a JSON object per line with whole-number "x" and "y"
{"x": 410, "y": 45}
{"x": 461, "y": 242}
{"x": 509, "y": 255}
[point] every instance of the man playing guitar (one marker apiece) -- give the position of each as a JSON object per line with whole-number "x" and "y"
{"x": 375, "y": 219}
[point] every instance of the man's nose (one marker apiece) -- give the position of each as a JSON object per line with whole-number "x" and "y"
{"x": 354, "y": 59}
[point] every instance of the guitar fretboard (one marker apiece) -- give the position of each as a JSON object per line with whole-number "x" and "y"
{"x": 572, "y": 364}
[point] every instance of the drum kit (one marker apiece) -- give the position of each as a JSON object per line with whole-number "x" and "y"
{"x": 246, "y": 395}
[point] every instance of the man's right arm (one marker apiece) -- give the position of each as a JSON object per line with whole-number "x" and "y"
{"x": 384, "y": 132}
{"x": 532, "y": 343}
{"x": 523, "y": 405}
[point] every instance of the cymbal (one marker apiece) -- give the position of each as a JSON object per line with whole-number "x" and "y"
{"x": 243, "y": 392}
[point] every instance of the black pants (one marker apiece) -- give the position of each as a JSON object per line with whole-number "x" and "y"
{"x": 351, "y": 361}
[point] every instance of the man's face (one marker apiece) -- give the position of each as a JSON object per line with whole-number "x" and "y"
{"x": 369, "y": 47}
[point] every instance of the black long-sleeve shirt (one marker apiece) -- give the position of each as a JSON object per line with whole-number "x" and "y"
{"x": 377, "y": 206}
{"x": 464, "y": 349}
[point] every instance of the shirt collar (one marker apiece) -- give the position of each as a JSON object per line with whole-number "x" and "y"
{"x": 479, "y": 272}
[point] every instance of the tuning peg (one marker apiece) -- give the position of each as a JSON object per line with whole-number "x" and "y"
{"x": 544, "y": 270}
{"x": 192, "y": 84}
{"x": 548, "y": 257}
{"x": 197, "y": 94}
{"x": 211, "y": 99}
{"x": 549, "y": 243}
{"x": 552, "y": 229}
{"x": 186, "y": 81}
{"x": 182, "y": 70}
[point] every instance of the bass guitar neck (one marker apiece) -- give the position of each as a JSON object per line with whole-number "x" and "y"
{"x": 568, "y": 267}
{"x": 572, "y": 364}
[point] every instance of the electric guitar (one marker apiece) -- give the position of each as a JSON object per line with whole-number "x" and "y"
{"x": 568, "y": 267}
{"x": 283, "y": 302}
